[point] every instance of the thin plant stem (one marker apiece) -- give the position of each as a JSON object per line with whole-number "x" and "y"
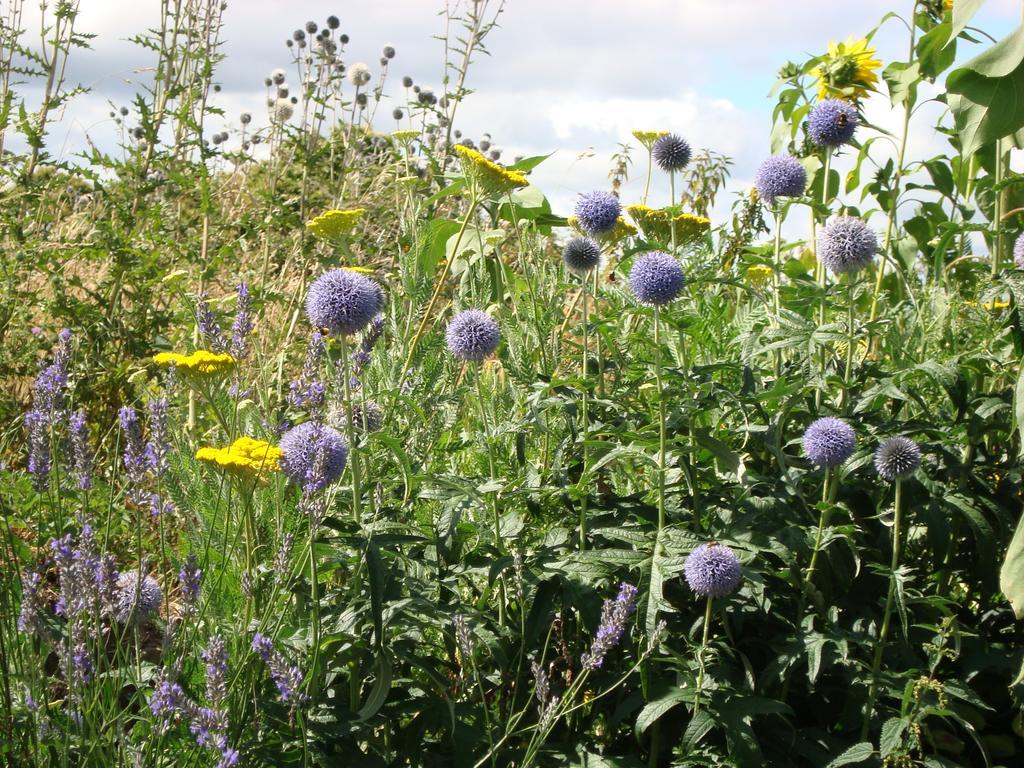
{"x": 584, "y": 485}
{"x": 700, "y": 656}
{"x": 353, "y": 454}
{"x": 492, "y": 495}
{"x": 661, "y": 421}
{"x": 883, "y": 634}
{"x": 437, "y": 290}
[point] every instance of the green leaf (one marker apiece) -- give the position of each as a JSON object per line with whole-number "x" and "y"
{"x": 1011, "y": 576}
{"x": 381, "y": 688}
{"x": 858, "y": 753}
{"x": 1018, "y": 407}
{"x": 654, "y": 709}
{"x": 963, "y": 11}
{"x": 986, "y": 95}
{"x": 892, "y": 735}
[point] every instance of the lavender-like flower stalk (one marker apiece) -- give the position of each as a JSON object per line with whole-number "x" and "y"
{"x": 308, "y": 390}
{"x": 81, "y": 451}
{"x": 288, "y": 679}
{"x": 209, "y": 329}
{"x": 614, "y": 615}
{"x": 190, "y": 578}
{"x": 242, "y": 327}
{"x": 30, "y": 618}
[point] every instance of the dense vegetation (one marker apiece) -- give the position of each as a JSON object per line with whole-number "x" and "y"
{"x": 325, "y": 443}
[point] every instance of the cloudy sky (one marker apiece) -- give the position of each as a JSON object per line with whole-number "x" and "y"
{"x": 570, "y": 76}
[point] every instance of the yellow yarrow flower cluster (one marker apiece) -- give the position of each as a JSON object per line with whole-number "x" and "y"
{"x": 334, "y": 223}
{"x": 620, "y": 231}
{"x": 759, "y": 275}
{"x": 202, "y": 362}
{"x": 656, "y": 224}
{"x": 847, "y": 71}
{"x": 404, "y": 135}
{"x": 246, "y": 456}
{"x": 489, "y": 176}
{"x": 647, "y": 138}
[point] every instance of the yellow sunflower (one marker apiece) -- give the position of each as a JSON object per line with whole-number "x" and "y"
{"x": 847, "y": 71}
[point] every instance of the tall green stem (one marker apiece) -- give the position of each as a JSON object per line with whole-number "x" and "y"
{"x": 890, "y": 224}
{"x": 661, "y": 421}
{"x": 997, "y": 256}
{"x": 700, "y": 656}
{"x": 883, "y": 634}
{"x": 584, "y": 484}
{"x": 353, "y": 454}
{"x": 492, "y": 495}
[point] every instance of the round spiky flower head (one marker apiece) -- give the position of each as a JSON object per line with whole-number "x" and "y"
{"x": 847, "y": 245}
{"x": 1018, "y": 252}
{"x": 780, "y": 176}
{"x": 333, "y": 22}
{"x": 712, "y": 570}
{"x": 472, "y": 335}
{"x": 277, "y": 76}
{"x": 342, "y": 301}
{"x": 359, "y": 73}
{"x": 829, "y": 441}
{"x": 313, "y": 455}
{"x": 671, "y": 152}
{"x": 897, "y": 458}
{"x": 598, "y": 212}
{"x": 656, "y": 278}
{"x": 581, "y": 255}
{"x": 832, "y": 123}
{"x": 139, "y": 597}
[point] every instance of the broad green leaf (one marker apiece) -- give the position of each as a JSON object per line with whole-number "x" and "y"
{"x": 1011, "y": 576}
{"x": 986, "y": 95}
{"x": 892, "y": 735}
{"x": 858, "y": 753}
{"x": 654, "y": 709}
{"x": 963, "y": 11}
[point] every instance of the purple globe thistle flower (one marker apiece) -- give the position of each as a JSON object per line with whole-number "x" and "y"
{"x": 656, "y": 278}
{"x": 671, "y": 152}
{"x": 832, "y": 122}
{"x": 829, "y": 441}
{"x": 1018, "y": 252}
{"x": 614, "y": 615}
{"x": 712, "y": 570}
{"x": 313, "y": 455}
{"x": 780, "y": 176}
{"x": 139, "y": 597}
{"x": 342, "y": 301}
{"x": 897, "y": 458}
{"x": 598, "y": 212}
{"x": 847, "y": 245}
{"x": 472, "y": 335}
{"x": 581, "y": 255}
